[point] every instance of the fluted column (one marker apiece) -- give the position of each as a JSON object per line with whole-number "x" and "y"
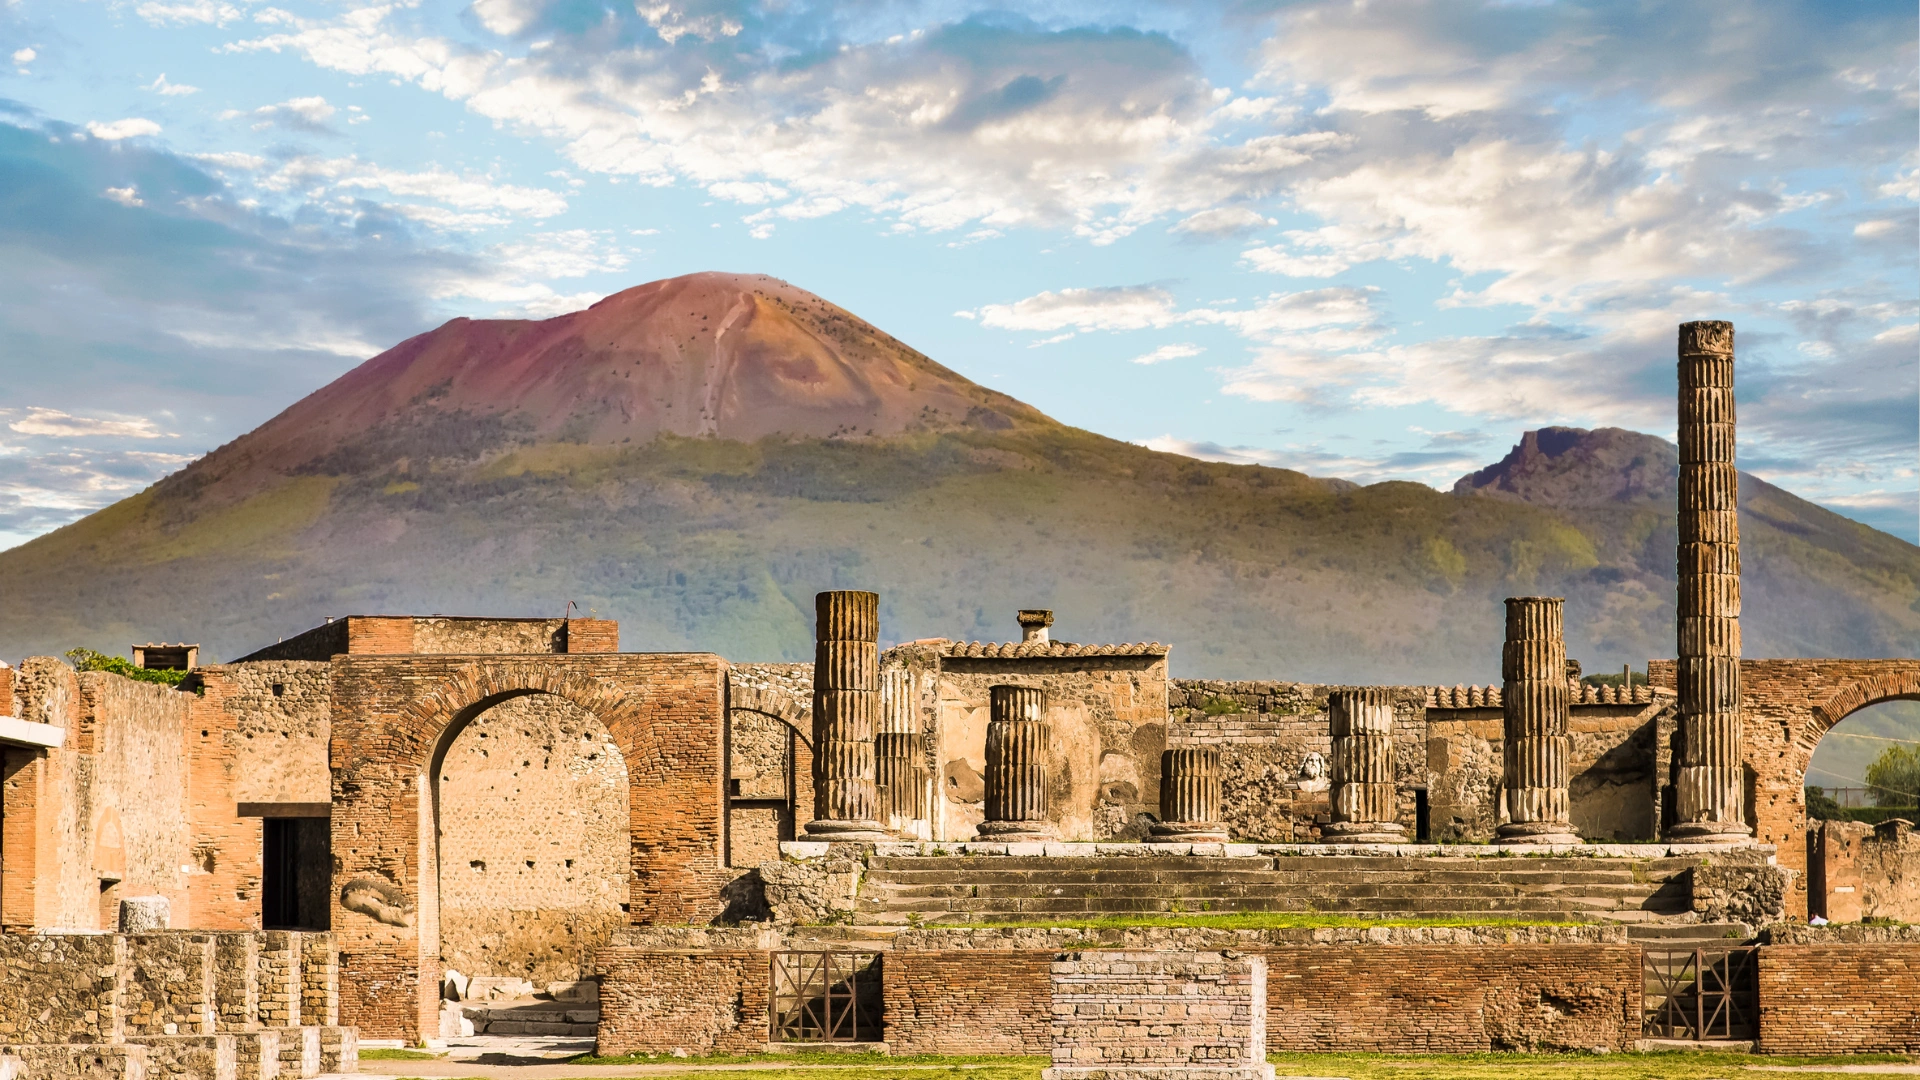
{"x": 846, "y": 703}
{"x": 1016, "y": 766}
{"x": 1709, "y": 779}
{"x": 1365, "y": 801}
{"x": 900, "y": 763}
{"x": 1189, "y": 797}
{"x": 1534, "y": 700}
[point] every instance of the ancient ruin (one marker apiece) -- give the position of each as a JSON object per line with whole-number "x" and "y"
{"x": 417, "y": 828}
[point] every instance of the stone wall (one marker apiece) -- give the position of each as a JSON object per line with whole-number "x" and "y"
{"x": 533, "y": 841}
{"x": 1107, "y": 715}
{"x": 1840, "y": 999}
{"x": 1118, "y": 1011}
{"x": 967, "y": 1002}
{"x": 169, "y": 989}
{"x": 388, "y": 635}
{"x": 1857, "y": 872}
{"x": 61, "y": 988}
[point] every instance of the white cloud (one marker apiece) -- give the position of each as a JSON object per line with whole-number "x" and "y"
{"x": 1169, "y": 352}
{"x": 1273, "y": 260}
{"x": 25, "y": 56}
{"x": 308, "y": 114}
{"x": 1113, "y": 308}
{"x": 53, "y": 422}
{"x": 480, "y": 201}
{"x": 164, "y": 88}
{"x": 126, "y": 196}
{"x": 130, "y": 128}
{"x": 1222, "y": 223}
{"x": 193, "y": 11}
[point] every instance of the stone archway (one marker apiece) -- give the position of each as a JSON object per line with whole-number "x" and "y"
{"x": 391, "y": 720}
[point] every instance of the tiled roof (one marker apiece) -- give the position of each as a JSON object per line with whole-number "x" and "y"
{"x": 1488, "y": 697}
{"x": 1021, "y": 650}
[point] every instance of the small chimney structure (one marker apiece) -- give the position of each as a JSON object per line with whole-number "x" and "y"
{"x": 163, "y": 657}
{"x": 1033, "y": 625}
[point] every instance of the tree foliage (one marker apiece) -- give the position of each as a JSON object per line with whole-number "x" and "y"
{"x": 1894, "y": 776}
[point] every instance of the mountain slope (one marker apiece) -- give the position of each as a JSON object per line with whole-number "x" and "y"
{"x": 700, "y": 486}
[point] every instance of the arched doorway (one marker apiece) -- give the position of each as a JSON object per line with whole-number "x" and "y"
{"x": 531, "y": 816}
{"x": 1847, "y": 751}
{"x": 769, "y": 784}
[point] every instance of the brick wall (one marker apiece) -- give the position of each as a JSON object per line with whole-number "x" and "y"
{"x": 390, "y": 716}
{"x": 1840, "y": 999}
{"x": 967, "y": 1002}
{"x": 655, "y": 1002}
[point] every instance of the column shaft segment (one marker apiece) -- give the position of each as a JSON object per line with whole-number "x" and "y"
{"x": 1017, "y": 745}
{"x": 1709, "y": 775}
{"x": 846, "y": 707}
{"x": 1189, "y": 797}
{"x": 1534, "y": 701}
{"x": 900, "y": 761}
{"x": 1365, "y": 799}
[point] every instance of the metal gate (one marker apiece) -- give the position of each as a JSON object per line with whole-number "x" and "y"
{"x": 825, "y": 997}
{"x": 1701, "y": 994}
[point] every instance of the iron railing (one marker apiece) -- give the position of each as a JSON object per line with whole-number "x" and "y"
{"x": 825, "y": 997}
{"x": 1701, "y": 994}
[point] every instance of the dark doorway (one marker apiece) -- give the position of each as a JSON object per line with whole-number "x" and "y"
{"x": 1422, "y": 818}
{"x": 296, "y": 873}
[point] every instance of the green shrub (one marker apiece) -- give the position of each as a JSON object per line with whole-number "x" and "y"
{"x": 85, "y": 659}
{"x": 1895, "y": 776}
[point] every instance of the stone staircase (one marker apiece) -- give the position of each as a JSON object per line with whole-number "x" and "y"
{"x": 1006, "y": 888}
{"x": 528, "y": 1016}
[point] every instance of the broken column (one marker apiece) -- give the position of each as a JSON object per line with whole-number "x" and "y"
{"x": 1534, "y": 702}
{"x": 900, "y": 763}
{"x": 1709, "y": 781}
{"x": 1189, "y": 797}
{"x": 1016, "y": 766}
{"x": 846, "y": 703}
{"x": 1364, "y": 800}
{"x": 1034, "y": 623}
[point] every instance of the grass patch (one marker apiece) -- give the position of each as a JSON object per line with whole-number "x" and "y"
{"x": 1655, "y": 1065}
{"x": 900, "y": 1069}
{"x": 1253, "y": 920}
{"x": 389, "y": 1053}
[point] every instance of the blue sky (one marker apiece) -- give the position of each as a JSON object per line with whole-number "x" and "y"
{"x": 1373, "y": 240}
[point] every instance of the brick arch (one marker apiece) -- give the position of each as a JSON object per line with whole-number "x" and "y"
{"x": 1898, "y": 685}
{"x": 393, "y": 715}
{"x": 782, "y": 705}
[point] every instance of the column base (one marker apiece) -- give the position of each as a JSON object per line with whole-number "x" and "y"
{"x": 1364, "y": 832}
{"x": 832, "y": 831}
{"x": 1016, "y": 832}
{"x": 1710, "y": 832}
{"x": 1536, "y": 832}
{"x": 1187, "y": 832}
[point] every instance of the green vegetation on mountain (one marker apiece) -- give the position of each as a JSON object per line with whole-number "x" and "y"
{"x": 425, "y": 481}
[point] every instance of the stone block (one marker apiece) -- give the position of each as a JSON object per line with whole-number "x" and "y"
{"x": 143, "y": 914}
{"x": 69, "y": 1061}
{"x": 339, "y": 1049}
{"x": 189, "y": 1057}
{"x": 257, "y": 1054}
{"x": 300, "y": 1051}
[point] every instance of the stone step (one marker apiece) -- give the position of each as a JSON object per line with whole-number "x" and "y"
{"x": 1100, "y": 905}
{"x": 1120, "y": 877}
{"x": 1635, "y": 893}
{"x": 976, "y": 863}
{"x": 1689, "y": 935}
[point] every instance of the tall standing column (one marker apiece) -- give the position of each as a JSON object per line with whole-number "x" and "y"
{"x": 846, "y": 703}
{"x": 1709, "y": 777}
{"x": 1016, "y": 766}
{"x": 1189, "y": 797}
{"x": 1365, "y": 801}
{"x": 1533, "y": 702}
{"x": 899, "y": 760}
